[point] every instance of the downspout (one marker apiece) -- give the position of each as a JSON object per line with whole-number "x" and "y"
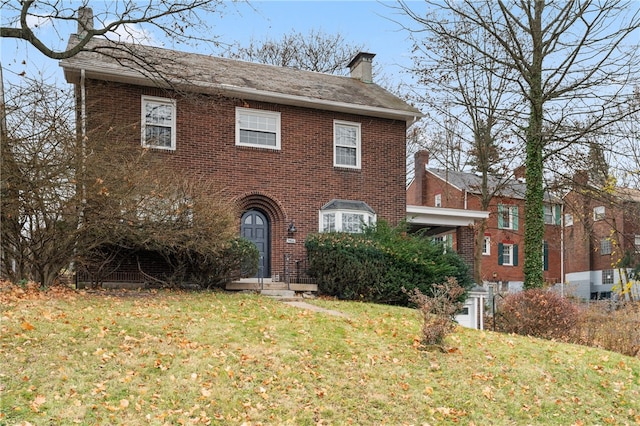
{"x": 562, "y": 250}
{"x": 465, "y": 199}
{"x": 83, "y": 148}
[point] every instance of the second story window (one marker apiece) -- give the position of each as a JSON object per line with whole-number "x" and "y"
{"x": 552, "y": 214}
{"x": 605, "y": 246}
{"x": 598, "y": 213}
{"x": 438, "y": 200}
{"x": 257, "y": 128}
{"x": 158, "y": 123}
{"x": 568, "y": 219}
{"x": 507, "y": 217}
{"x": 346, "y": 144}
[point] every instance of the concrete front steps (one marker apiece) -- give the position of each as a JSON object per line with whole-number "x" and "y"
{"x": 272, "y": 288}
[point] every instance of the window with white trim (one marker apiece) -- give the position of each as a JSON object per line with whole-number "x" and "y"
{"x": 438, "y": 200}
{"x": 346, "y": 144}
{"x": 607, "y": 277}
{"x": 158, "y": 123}
{"x": 598, "y": 213}
{"x": 486, "y": 245}
{"x": 507, "y": 254}
{"x": 552, "y": 214}
{"x": 446, "y": 241}
{"x": 346, "y": 216}
{"x": 636, "y": 243}
{"x": 605, "y": 246}
{"x": 507, "y": 217}
{"x": 257, "y": 128}
{"x": 568, "y": 219}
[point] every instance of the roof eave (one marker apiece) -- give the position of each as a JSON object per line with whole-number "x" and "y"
{"x": 72, "y": 75}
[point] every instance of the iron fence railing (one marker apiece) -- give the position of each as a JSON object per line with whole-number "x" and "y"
{"x": 296, "y": 271}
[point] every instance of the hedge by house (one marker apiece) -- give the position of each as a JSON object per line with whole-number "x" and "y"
{"x": 376, "y": 265}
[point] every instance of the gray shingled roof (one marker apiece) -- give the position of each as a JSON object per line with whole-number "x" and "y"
{"x": 471, "y": 182}
{"x": 153, "y": 66}
{"x": 336, "y": 204}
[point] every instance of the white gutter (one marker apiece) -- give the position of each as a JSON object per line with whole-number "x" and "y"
{"x": 132, "y": 77}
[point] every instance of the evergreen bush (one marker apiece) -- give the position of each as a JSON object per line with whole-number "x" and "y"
{"x": 377, "y": 264}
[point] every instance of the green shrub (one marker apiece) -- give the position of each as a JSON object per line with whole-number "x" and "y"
{"x": 377, "y": 264}
{"x": 539, "y": 313}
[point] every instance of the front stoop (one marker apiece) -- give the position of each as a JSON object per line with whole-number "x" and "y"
{"x": 280, "y": 294}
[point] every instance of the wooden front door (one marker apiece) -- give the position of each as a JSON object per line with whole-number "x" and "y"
{"x": 255, "y": 228}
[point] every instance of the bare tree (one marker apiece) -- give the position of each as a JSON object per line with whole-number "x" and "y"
{"x": 32, "y": 21}
{"x": 38, "y": 214}
{"x": 65, "y": 202}
{"x": 470, "y": 101}
{"x": 314, "y": 51}
{"x": 569, "y": 62}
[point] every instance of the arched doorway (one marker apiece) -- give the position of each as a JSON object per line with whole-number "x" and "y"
{"x": 254, "y": 226}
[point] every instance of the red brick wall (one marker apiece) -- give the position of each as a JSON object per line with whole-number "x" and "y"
{"x": 451, "y": 197}
{"x": 290, "y": 184}
{"x": 582, "y": 239}
{"x": 454, "y": 198}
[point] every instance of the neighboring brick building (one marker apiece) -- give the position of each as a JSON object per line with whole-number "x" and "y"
{"x": 301, "y": 152}
{"x": 601, "y": 238}
{"x": 503, "y": 249}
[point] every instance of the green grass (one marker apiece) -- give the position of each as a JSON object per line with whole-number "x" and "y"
{"x": 216, "y": 358}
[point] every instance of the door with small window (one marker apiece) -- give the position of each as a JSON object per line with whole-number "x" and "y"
{"x": 255, "y": 228}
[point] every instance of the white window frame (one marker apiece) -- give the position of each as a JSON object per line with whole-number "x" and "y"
{"x": 486, "y": 246}
{"x": 507, "y": 260}
{"x": 272, "y": 127}
{"x": 598, "y": 213}
{"x": 511, "y": 212}
{"x": 636, "y": 243}
{"x": 553, "y": 211}
{"x": 568, "y": 219}
{"x": 358, "y": 148}
{"x": 153, "y": 100}
{"x": 606, "y": 246}
{"x": 337, "y": 222}
{"x": 608, "y": 277}
{"x": 438, "y": 200}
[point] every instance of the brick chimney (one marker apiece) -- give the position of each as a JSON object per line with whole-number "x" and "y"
{"x": 361, "y": 67}
{"x": 85, "y": 21}
{"x": 421, "y": 160}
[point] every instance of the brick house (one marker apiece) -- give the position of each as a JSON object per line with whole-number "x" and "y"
{"x": 601, "y": 229}
{"x": 503, "y": 249}
{"x": 300, "y": 152}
